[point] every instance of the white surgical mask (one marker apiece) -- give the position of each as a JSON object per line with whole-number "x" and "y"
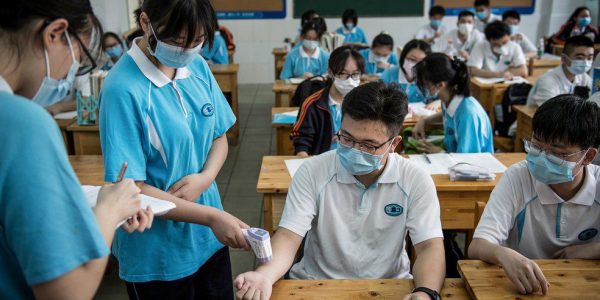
{"x": 502, "y": 50}
{"x": 580, "y": 66}
{"x": 465, "y": 28}
{"x": 310, "y": 45}
{"x": 345, "y": 86}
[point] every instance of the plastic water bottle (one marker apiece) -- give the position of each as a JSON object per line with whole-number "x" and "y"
{"x": 540, "y": 48}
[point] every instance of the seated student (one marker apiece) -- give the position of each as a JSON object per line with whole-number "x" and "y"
{"x": 381, "y": 56}
{"x": 320, "y": 116}
{"x": 355, "y": 206}
{"x": 350, "y": 30}
{"x": 307, "y": 16}
{"x": 114, "y": 48}
{"x": 512, "y": 18}
{"x": 217, "y": 54}
{"x": 309, "y": 59}
{"x": 576, "y": 60}
{"x": 549, "y": 205}
{"x": 467, "y": 128}
{"x": 460, "y": 41}
{"x": 580, "y": 23}
{"x": 484, "y": 14}
{"x": 435, "y": 29}
{"x": 497, "y": 55}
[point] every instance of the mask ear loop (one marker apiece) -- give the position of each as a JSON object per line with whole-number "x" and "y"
{"x": 581, "y": 160}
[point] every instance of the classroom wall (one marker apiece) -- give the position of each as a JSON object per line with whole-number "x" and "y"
{"x": 255, "y": 39}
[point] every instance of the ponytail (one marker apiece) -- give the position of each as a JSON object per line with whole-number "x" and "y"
{"x": 438, "y": 67}
{"x": 461, "y": 82}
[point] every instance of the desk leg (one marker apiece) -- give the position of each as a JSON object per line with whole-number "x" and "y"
{"x": 268, "y": 213}
{"x": 278, "y": 99}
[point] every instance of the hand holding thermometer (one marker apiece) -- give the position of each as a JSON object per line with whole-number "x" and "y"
{"x": 260, "y": 242}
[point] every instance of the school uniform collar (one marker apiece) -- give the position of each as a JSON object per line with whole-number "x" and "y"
{"x": 333, "y": 102}
{"x": 454, "y": 104}
{"x": 150, "y": 70}
{"x": 390, "y": 174}
{"x": 4, "y": 87}
{"x": 401, "y": 75}
{"x": 585, "y": 195}
{"x": 346, "y": 31}
{"x": 315, "y": 54}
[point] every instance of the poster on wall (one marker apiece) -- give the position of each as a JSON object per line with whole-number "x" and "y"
{"x": 244, "y": 9}
{"x": 454, "y": 7}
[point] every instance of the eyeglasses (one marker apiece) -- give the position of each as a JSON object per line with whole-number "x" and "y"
{"x": 365, "y": 147}
{"x": 558, "y": 159}
{"x": 87, "y": 63}
{"x": 345, "y": 76}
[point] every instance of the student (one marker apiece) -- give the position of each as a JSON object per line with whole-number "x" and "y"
{"x": 373, "y": 198}
{"x": 576, "y": 61}
{"x": 320, "y": 116}
{"x": 309, "y": 59}
{"x": 81, "y": 84}
{"x": 54, "y": 246}
{"x": 512, "y": 18}
{"x": 169, "y": 123}
{"x": 113, "y": 47}
{"x": 547, "y": 206}
{"x": 580, "y": 23}
{"x": 497, "y": 55}
{"x": 307, "y": 16}
{"x": 460, "y": 41}
{"x": 350, "y": 30}
{"x": 484, "y": 14}
{"x": 435, "y": 29}
{"x": 217, "y": 53}
{"x": 467, "y": 127}
{"x": 381, "y": 56}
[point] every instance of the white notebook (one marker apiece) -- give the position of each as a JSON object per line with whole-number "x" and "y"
{"x": 440, "y": 162}
{"x": 66, "y": 115}
{"x": 516, "y": 79}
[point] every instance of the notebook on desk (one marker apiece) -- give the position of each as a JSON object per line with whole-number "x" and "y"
{"x": 439, "y": 163}
{"x": 516, "y": 79}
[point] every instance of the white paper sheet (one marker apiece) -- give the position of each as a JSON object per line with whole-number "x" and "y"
{"x": 516, "y": 79}
{"x": 66, "y": 115}
{"x": 293, "y": 165}
{"x": 295, "y": 80}
{"x": 440, "y": 162}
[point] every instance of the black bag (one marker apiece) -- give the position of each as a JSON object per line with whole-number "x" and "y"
{"x": 307, "y": 88}
{"x": 516, "y": 94}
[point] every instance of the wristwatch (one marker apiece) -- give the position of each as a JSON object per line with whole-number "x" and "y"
{"x": 431, "y": 293}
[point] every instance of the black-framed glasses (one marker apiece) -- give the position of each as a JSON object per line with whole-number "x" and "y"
{"x": 362, "y": 146}
{"x": 88, "y": 63}
{"x": 345, "y": 76}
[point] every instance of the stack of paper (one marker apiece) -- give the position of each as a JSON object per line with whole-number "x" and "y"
{"x": 66, "y": 115}
{"x": 286, "y": 117}
{"x": 440, "y": 163}
{"x": 516, "y": 79}
{"x": 418, "y": 110}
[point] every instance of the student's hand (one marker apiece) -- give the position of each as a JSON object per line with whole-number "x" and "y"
{"x": 383, "y": 65}
{"x": 252, "y": 286}
{"x": 524, "y": 273}
{"x": 518, "y": 37}
{"x": 464, "y": 54}
{"x": 437, "y": 34}
{"x": 141, "y": 221}
{"x": 418, "y": 131}
{"x": 120, "y": 201}
{"x": 191, "y": 187}
{"x": 228, "y": 229}
{"x": 308, "y": 75}
{"x": 584, "y": 251}
{"x": 506, "y": 75}
{"x": 427, "y": 147}
{"x": 435, "y": 106}
{"x": 417, "y": 296}
{"x": 302, "y": 154}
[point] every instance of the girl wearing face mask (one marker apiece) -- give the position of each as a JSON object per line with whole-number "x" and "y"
{"x": 580, "y": 23}
{"x": 113, "y": 47}
{"x": 309, "y": 59}
{"x": 467, "y": 128}
{"x": 381, "y": 56}
{"x": 350, "y": 30}
{"x": 320, "y": 116}
{"x": 53, "y": 245}
{"x": 162, "y": 111}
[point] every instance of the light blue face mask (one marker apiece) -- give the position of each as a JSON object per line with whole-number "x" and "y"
{"x": 350, "y": 26}
{"x": 436, "y": 23}
{"x": 550, "y": 169}
{"x": 580, "y": 66}
{"x": 481, "y": 15}
{"x": 115, "y": 51}
{"x": 51, "y": 90}
{"x": 514, "y": 29}
{"x": 357, "y": 162}
{"x": 428, "y": 94}
{"x": 583, "y": 22}
{"x": 173, "y": 56}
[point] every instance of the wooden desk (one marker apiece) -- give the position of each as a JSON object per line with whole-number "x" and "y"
{"x": 569, "y": 279}
{"x": 279, "y": 55}
{"x": 281, "y": 89}
{"x": 537, "y": 67}
{"x": 86, "y": 139}
{"x": 67, "y": 136}
{"x": 88, "y": 168}
{"x": 226, "y": 76}
{"x": 524, "y": 129}
{"x": 558, "y": 49}
{"x": 358, "y": 289}
{"x": 457, "y": 199}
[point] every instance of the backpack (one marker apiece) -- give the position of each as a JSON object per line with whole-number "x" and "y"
{"x": 228, "y": 37}
{"x": 307, "y": 88}
{"x": 516, "y": 94}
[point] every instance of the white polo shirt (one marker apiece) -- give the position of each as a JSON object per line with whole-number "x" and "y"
{"x": 450, "y": 43}
{"x": 427, "y": 32}
{"x": 483, "y": 58}
{"x": 480, "y": 25}
{"x": 525, "y": 43}
{"x": 554, "y": 83}
{"x": 357, "y": 232}
{"x": 527, "y": 216}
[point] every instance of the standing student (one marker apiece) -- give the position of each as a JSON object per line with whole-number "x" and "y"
{"x": 576, "y": 61}
{"x": 512, "y": 18}
{"x": 54, "y": 246}
{"x": 460, "y": 41}
{"x": 579, "y": 23}
{"x": 497, "y": 55}
{"x": 434, "y": 29}
{"x": 216, "y": 53}
{"x": 320, "y": 116}
{"x": 381, "y": 56}
{"x": 467, "y": 128}
{"x": 484, "y": 14}
{"x": 114, "y": 48}
{"x": 350, "y": 30}
{"x": 169, "y": 122}
{"x": 549, "y": 205}
{"x": 354, "y": 207}
{"x": 309, "y": 59}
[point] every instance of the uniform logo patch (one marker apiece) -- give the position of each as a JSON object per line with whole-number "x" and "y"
{"x": 208, "y": 110}
{"x": 588, "y": 234}
{"x": 393, "y": 210}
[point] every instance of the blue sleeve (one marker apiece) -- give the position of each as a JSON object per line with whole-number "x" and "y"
{"x": 45, "y": 219}
{"x": 363, "y": 36}
{"x": 122, "y": 131}
{"x": 221, "y": 56}
{"x": 471, "y": 133}
{"x": 224, "y": 117}
{"x": 365, "y": 54}
{"x": 390, "y": 75}
{"x": 340, "y": 30}
{"x": 393, "y": 58}
{"x": 288, "y": 67}
{"x": 324, "y": 62}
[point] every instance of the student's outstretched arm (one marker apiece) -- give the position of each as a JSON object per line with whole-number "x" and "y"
{"x": 519, "y": 70}
{"x": 585, "y": 251}
{"x": 430, "y": 267}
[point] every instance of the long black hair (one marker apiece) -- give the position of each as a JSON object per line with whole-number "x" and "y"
{"x": 413, "y": 44}
{"x": 576, "y": 13}
{"x": 438, "y": 67}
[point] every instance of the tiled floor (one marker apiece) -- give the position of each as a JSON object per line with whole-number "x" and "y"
{"x": 237, "y": 180}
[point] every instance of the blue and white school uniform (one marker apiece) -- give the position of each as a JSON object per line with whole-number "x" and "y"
{"x": 164, "y": 129}
{"x": 467, "y": 128}
{"x": 395, "y": 75}
{"x": 299, "y": 62}
{"x": 354, "y": 36}
{"x": 218, "y": 54}
{"x": 336, "y": 119}
{"x": 47, "y": 227}
{"x": 371, "y": 64}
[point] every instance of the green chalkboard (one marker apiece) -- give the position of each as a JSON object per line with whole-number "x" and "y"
{"x": 364, "y": 8}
